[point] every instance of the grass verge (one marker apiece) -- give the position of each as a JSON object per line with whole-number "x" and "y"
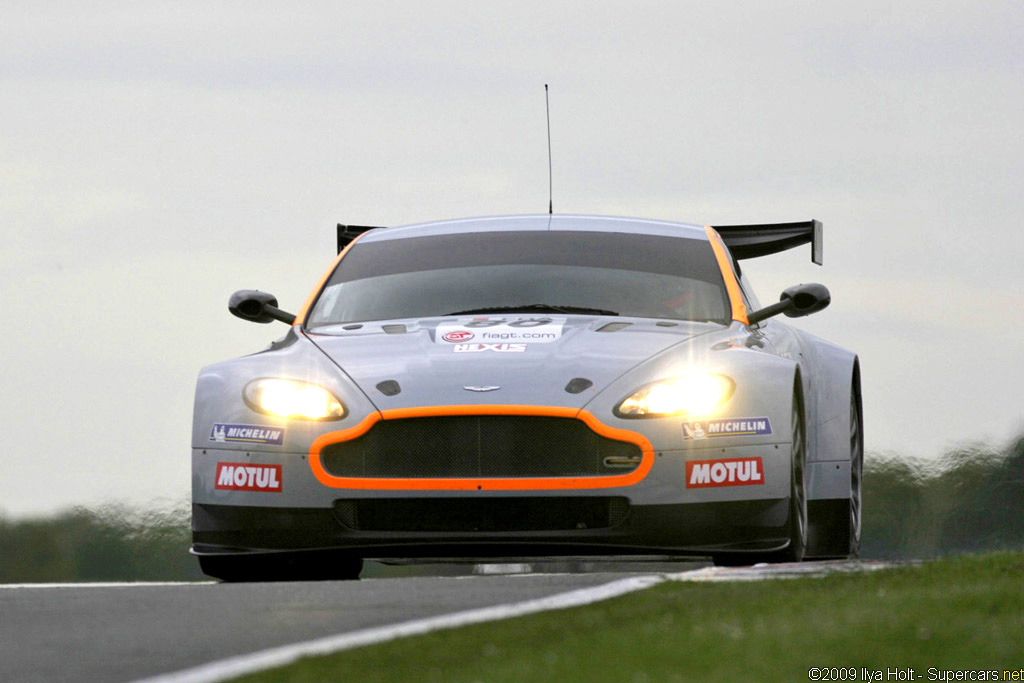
{"x": 962, "y": 613}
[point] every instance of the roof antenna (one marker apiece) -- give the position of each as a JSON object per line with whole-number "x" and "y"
{"x": 547, "y": 106}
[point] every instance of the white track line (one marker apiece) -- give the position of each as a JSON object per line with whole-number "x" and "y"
{"x": 233, "y": 667}
{"x": 107, "y": 584}
{"x": 792, "y": 570}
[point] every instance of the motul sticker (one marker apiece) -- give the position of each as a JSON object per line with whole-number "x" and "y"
{"x": 509, "y": 330}
{"x": 499, "y": 348}
{"x": 236, "y": 476}
{"x": 224, "y": 433}
{"x": 733, "y": 426}
{"x": 702, "y": 474}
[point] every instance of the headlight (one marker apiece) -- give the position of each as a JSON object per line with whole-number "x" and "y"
{"x": 689, "y": 395}
{"x": 292, "y": 399}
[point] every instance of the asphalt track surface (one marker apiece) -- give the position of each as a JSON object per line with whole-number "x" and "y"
{"x": 124, "y": 632}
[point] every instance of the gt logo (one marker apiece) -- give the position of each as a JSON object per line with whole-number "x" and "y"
{"x": 500, "y": 348}
{"x": 731, "y": 472}
{"x": 457, "y": 336}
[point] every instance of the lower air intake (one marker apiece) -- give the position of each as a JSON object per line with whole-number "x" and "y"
{"x": 459, "y": 515}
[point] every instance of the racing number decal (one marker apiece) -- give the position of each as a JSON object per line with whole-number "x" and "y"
{"x": 522, "y": 322}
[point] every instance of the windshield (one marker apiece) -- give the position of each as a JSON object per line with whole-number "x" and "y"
{"x": 601, "y": 273}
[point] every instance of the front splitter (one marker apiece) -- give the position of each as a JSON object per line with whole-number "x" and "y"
{"x": 667, "y": 530}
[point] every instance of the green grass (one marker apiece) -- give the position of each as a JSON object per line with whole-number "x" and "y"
{"x": 963, "y": 613}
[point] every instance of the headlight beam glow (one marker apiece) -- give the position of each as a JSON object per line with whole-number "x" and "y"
{"x": 692, "y": 395}
{"x": 292, "y": 399}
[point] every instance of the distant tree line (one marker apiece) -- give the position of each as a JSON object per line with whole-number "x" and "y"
{"x": 110, "y": 543}
{"x": 970, "y": 500}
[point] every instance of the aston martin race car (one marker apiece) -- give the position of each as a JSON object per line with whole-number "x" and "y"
{"x": 525, "y": 387}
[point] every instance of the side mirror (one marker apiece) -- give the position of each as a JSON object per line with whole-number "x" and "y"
{"x": 257, "y": 307}
{"x": 796, "y": 302}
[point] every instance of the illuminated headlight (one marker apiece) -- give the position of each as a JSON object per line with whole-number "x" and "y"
{"x": 690, "y": 395}
{"x": 292, "y": 399}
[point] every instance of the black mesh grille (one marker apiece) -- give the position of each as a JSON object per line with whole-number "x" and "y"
{"x": 480, "y": 446}
{"x": 489, "y": 514}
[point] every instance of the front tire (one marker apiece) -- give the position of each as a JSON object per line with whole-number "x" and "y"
{"x": 856, "y": 473}
{"x": 794, "y": 552}
{"x": 798, "y": 489}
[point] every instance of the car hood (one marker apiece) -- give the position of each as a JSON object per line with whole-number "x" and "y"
{"x": 481, "y": 361}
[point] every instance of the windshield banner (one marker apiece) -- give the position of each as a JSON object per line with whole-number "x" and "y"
{"x": 503, "y": 329}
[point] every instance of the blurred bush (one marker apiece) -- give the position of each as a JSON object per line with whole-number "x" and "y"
{"x": 110, "y": 543}
{"x": 969, "y": 500}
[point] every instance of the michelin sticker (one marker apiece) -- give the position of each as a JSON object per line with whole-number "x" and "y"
{"x": 734, "y": 426}
{"x": 228, "y": 433}
{"x": 501, "y": 330}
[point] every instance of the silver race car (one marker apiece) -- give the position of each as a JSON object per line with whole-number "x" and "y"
{"x": 530, "y": 386}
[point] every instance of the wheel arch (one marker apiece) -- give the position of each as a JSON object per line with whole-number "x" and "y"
{"x": 830, "y": 373}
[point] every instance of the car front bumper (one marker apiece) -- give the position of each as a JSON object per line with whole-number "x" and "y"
{"x": 463, "y": 528}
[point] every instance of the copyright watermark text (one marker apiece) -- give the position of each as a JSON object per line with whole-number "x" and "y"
{"x": 853, "y": 673}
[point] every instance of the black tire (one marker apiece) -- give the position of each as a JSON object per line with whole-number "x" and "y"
{"x": 856, "y": 473}
{"x": 281, "y": 567}
{"x": 797, "y": 488}
{"x": 794, "y": 552}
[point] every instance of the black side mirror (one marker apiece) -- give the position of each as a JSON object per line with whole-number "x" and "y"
{"x": 257, "y": 307}
{"x": 796, "y": 302}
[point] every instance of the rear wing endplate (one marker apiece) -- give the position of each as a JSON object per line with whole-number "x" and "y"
{"x": 751, "y": 241}
{"x": 347, "y": 233}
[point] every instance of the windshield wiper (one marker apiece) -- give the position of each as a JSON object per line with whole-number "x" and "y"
{"x": 530, "y": 308}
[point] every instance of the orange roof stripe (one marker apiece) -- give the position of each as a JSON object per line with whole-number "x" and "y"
{"x": 732, "y": 285}
{"x": 300, "y": 318}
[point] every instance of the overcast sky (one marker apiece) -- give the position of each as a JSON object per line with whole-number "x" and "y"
{"x": 156, "y": 157}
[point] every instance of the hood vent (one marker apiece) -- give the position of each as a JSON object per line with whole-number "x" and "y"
{"x": 578, "y": 385}
{"x": 389, "y": 387}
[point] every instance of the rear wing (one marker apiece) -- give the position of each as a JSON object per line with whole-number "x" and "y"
{"x": 347, "y": 233}
{"x": 744, "y": 241}
{"x": 751, "y": 241}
